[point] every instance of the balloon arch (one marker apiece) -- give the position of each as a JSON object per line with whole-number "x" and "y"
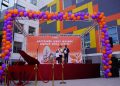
{"x": 99, "y": 17}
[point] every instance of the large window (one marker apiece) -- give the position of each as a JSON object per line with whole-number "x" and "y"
{"x": 31, "y": 30}
{"x": 67, "y": 3}
{"x": 19, "y": 7}
{"x": 1, "y": 26}
{"x": 53, "y": 8}
{"x": 17, "y": 46}
{"x": 79, "y": 1}
{"x": 16, "y": 29}
{"x": 114, "y": 34}
{"x": 87, "y": 40}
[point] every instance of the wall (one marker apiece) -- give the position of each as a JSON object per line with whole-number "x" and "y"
{"x": 109, "y": 7}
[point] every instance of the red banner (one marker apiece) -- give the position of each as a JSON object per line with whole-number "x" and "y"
{"x": 41, "y": 47}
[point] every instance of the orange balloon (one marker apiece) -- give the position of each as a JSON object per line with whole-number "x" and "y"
{"x": 3, "y": 40}
{"x": 78, "y": 17}
{"x": 5, "y": 17}
{"x": 110, "y": 55}
{"x": 0, "y": 67}
{"x": 30, "y": 14}
{"x": 86, "y": 17}
{"x": 9, "y": 26}
{"x": 107, "y": 41}
{"x": 104, "y": 67}
{"x": 4, "y": 36}
{"x": 21, "y": 13}
{"x": 109, "y": 74}
{"x": 6, "y": 51}
{"x": 64, "y": 16}
{"x": 3, "y": 55}
{"x": 4, "y": 32}
{"x": 15, "y": 11}
{"x": 110, "y": 62}
{"x": 9, "y": 15}
{"x": 102, "y": 36}
{"x": 49, "y": 16}
{"x": 109, "y": 67}
{"x": 47, "y": 12}
{"x": 103, "y": 51}
{"x": 72, "y": 16}
{"x": 11, "y": 11}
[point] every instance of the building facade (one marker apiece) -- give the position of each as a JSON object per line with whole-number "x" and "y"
{"x": 29, "y": 26}
{"x": 92, "y": 39}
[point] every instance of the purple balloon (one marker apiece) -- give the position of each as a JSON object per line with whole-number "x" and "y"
{"x": 6, "y": 58}
{"x": 107, "y": 59}
{"x": 3, "y": 66}
{"x": 25, "y": 14}
{"x": 103, "y": 61}
{"x": 103, "y": 44}
{"x": 103, "y": 40}
{"x": 105, "y": 55}
{"x": 108, "y": 70}
{"x": 1, "y": 72}
{"x": 105, "y": 26}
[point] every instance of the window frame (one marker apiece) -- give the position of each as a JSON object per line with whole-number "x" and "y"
{"x": 15, "y": 49}
{"x": 79, "y": 2}
{"x": 31, "y": 27}
{"x": 64, "y": 5}
{"x": 116, "y": 32}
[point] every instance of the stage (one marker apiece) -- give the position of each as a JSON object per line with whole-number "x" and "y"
{"x": 44, "y": 71}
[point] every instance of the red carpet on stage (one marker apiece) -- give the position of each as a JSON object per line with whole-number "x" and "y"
{"x": 44, "y": 71}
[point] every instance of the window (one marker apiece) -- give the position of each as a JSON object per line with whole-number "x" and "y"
{"x": 1, "y": 26}
{"x": 67, "y": 3}
{"x": 113, "y": 33}
{"x": 79, "y": 1}
{"x": 31, "y": 30}
{"x": 53, "y": 8}
{"x": 45, "y": 9}
{"x": 87, "y": 40}
{"x": 17, "y": 46}
{"x": 34, "y": 2}
{"x": 19, "y": 7}
{"x": 16, "y": 29}
{"x": 0, "y": 42}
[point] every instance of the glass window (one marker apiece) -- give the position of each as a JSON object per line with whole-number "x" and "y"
{"x": 67, "y": 3}
{"x": 31, "y": 30}
{"x": 113, "y": 33}
{"x": 53, "y": 8}
{"x": 87, "y": 40}
{"x": 1, "y": 26}
{"x": 79, "y": 1}
{"x": 16, "y": 29}
{"x": 0, "y": 42}
{"x": 17, "y": 46}
{"x": 34, "y": 2}
{"x": 19, "y": 7}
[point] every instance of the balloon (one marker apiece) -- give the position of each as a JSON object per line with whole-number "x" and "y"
{"x": 108, "y": 70}
{"x": 110, "y": 62}
{"x": 0, "y": 67}
{"x": 1, "y": 72}
{"x": 109, "y": 74}
{"x": 6, "y": 58}
{"x": 3, "y": 66}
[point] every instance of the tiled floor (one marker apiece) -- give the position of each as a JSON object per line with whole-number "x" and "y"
{"x": 80, "y": 82}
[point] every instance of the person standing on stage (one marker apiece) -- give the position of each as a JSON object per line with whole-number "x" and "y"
{"x": 66, "y": 53}
{"x": 60, "y": 51}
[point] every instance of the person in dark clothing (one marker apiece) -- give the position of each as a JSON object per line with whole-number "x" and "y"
{"x": 115, "y": 67}
{"x": 66, "y": 53}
